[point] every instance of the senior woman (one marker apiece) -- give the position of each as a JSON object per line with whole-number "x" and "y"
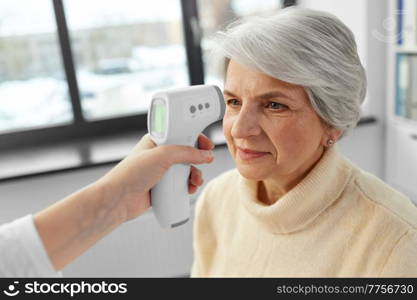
{"x": 294, "y": 206}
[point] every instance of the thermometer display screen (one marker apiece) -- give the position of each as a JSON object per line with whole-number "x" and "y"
{"x": 158, "y": 117}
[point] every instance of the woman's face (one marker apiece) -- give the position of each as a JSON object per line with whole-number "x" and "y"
{"x": 270, "y": 127}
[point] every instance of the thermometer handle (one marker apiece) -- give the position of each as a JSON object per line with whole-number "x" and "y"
{"x": 170, "y": 199}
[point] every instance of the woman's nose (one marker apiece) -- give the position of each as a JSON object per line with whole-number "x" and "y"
{"x": 245, "y": 124}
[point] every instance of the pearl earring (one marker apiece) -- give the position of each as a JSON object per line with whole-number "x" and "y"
{"x": 330, "y": 142}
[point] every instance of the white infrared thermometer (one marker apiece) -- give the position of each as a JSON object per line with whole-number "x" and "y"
{"x": 177, "y": 117}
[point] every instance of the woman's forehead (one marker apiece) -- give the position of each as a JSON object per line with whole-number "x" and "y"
{"x": 241, "y": 79}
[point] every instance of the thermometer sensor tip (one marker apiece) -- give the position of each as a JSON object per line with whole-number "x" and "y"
{"x": 221, "y": 102}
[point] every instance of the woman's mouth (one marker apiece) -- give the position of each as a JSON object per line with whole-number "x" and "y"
{"x": 248, "y": 154}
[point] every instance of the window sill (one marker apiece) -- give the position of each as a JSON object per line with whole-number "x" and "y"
{"x": 75, "y": 155}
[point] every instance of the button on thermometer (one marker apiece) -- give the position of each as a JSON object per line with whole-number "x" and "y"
{"x": 178, "y": 116}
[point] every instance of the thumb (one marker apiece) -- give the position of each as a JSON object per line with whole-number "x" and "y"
{"x": 175, "y": 154}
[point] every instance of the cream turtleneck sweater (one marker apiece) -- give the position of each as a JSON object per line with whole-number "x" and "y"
{"x": 339, "y": 221}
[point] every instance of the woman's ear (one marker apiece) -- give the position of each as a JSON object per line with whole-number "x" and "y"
{"x": 330, "y": 136}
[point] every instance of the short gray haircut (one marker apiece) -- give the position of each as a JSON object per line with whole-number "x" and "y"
{"x": 306, "y": 47}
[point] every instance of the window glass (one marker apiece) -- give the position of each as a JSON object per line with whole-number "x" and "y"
{"x": 124, "y": 51}
{"x": 33, "y": 88}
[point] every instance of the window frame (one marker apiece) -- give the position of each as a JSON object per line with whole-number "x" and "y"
{"x": 81, "y": 128}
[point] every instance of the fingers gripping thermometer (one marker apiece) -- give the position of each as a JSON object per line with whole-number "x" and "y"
{"x": 178, "y": 116}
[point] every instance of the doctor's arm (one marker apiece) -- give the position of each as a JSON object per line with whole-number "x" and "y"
{"x": 71, "y": 226}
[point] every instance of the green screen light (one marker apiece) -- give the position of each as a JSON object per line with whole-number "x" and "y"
{"x": 158, "y": 117}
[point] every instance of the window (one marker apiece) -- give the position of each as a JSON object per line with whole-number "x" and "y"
{"x": 124, "y": 51}
{"x": 79, "y": 69}
{"x": 33, "y": 89}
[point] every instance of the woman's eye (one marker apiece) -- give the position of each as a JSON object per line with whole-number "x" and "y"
{"x": 233, "y": 102}
{"x": 276, "y": 106}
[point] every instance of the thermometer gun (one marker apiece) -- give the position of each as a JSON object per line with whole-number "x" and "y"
{"x": 178, "y": 116}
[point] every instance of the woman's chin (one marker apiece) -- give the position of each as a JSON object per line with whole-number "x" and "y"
{"x": 252, "y": 172}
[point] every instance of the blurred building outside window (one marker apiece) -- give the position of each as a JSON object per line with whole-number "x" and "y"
{"x": 124, "y": 51}
{"x": 33, "y": 88}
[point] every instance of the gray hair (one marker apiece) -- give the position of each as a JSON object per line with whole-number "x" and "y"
{"x": 306, "y": 47}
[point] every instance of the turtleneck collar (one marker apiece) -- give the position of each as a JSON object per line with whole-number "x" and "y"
{"x": 304, "y": 202}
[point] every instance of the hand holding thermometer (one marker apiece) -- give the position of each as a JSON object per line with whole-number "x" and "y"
{"x": 178, "y": 116}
